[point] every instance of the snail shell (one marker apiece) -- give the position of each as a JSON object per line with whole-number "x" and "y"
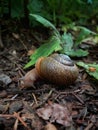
{"x": 58, "y": 69}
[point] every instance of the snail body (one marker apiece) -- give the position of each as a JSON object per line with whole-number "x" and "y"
{"x": 58, "y": 69}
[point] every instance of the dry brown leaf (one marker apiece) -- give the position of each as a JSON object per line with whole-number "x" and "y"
{"x": 56, "y": 113}
{"x": 45, "y": 112}
{"x": 32, "y": 50}
{"x": 16, "y": 36}
{"x": 50, "y": 127}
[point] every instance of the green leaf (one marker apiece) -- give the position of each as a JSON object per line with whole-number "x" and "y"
{"x": 67, "y": 41}
{"x": 87, "y": 68}
{"x": 44, "y": 50}
{"x": 44, "y": 21}
{"x": 35, "y": 6}
{"x": 17, "y": 9}
{"x": 77, "y": 53}
{"x": 68, "y": 49}
{"x": 84, "y": 33}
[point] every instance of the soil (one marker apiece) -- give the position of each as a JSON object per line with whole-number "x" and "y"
{"x": 19, "y": 106}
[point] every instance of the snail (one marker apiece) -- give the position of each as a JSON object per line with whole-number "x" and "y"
{"x": 57, "y": 69}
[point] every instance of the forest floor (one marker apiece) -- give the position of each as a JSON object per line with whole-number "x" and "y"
{"x": 47, "y": 106}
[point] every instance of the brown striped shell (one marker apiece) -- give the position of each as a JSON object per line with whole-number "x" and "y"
{"x": 58, "y": 69}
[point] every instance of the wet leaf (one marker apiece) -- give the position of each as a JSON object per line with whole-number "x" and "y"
{"x": 56, "y": 113}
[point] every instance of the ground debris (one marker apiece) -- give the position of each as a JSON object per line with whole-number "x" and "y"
{"x": 56, "y": 113}
{"x": 50, "y": 126}
{"x": 5, "y": 79}
{"x": 44, "y": 105}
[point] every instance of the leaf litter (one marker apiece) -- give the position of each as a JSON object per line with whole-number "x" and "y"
{"x": 56, "y": 113}
{"x": 34, "y": 108}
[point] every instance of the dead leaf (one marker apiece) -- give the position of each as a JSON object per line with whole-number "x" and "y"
{"x": 32, "y": 50}
{"x": 56, "y": 113}
{"x": 45, "y": 112}
{"x": 50, "y": 127}
{"x": 88, "y": 89}
{"x": 16, "y": 36}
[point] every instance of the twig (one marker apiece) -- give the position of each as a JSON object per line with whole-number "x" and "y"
{"x": 16, "y": 36}
{"x": 7, "y": 115}
{"x": 89, "y": 126}
{"x": 69, "y": 92}
{"x": 15, "y": 115}
{"x": 11, "y": 99}
{"x": 35, "y": 99}
{"x": 20, "y": 119}
{"x": 80, "y": 100}
{"x": 16, "y": 124}
{"x": 45, "y": 100}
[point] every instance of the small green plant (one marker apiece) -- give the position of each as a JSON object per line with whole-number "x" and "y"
{"x": 65, "y": 11}
{"x": 91, "y": 69}
{"x": 62, "y": 43}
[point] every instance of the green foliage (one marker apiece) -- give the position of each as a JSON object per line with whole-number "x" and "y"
{"x": 66, "y": 11}
{"x": 47, "y": 48}
{"x": 84, "y": 33}
{"x": 44, "y": 50}
{"x": 3, "y": 8}
{"x": 71, "y": 47}
{"x": 63, "y": 43}
{"x": 17, "y": 9}
{"x": 56, "y": 11}
{"x": 91, "y": 69}
{"x": 45, "y": 22}
{"x": 35, "y": 6}
{"x": 68, "y": 46}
